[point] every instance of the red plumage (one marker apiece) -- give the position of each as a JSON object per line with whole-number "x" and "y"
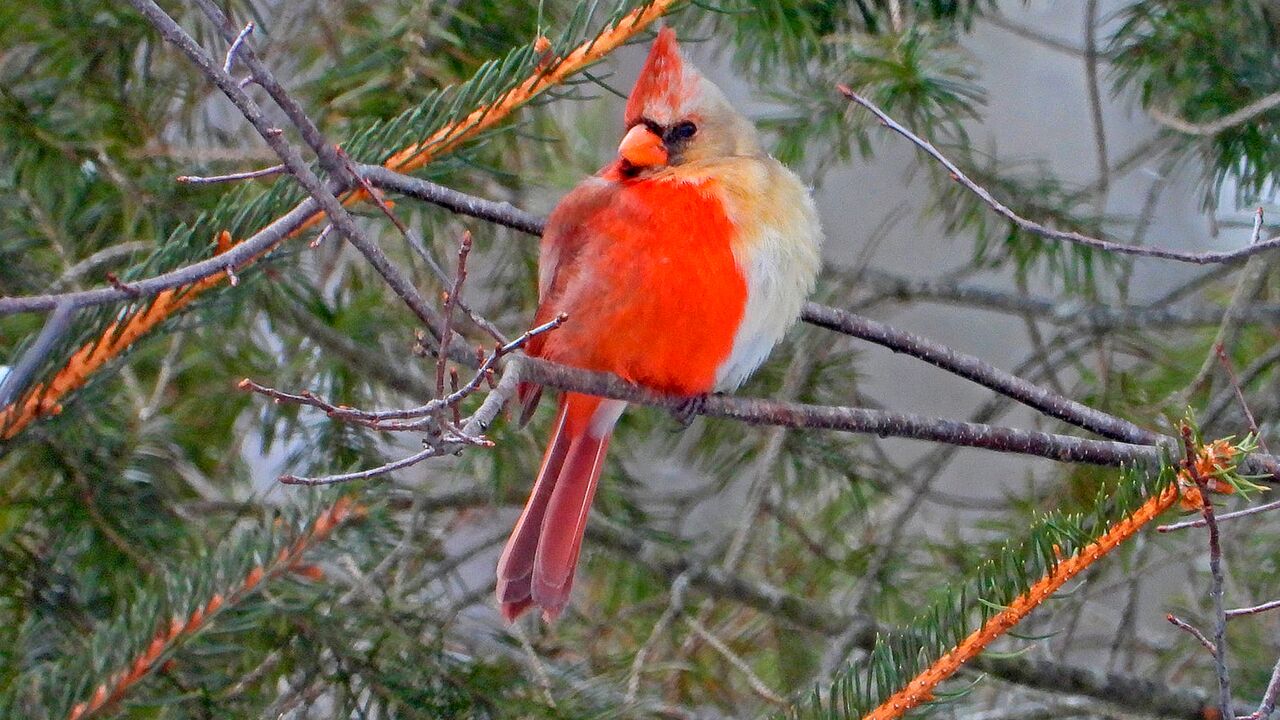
{"x": 653, "y": 265}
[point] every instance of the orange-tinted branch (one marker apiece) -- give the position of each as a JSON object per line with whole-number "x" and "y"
{"x": 45, "y": 399}
{"x": 169, "y": 634}
{"x": 920, "y": 689}
{"x": 483, "y": 118}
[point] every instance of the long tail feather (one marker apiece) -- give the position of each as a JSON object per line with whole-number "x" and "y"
{"x": 538, "y": 564}
{"x": 515, "y": 566}
{"x": 565, "y": 523}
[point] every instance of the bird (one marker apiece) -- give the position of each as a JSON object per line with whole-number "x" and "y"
{"x": 678, "y": 267}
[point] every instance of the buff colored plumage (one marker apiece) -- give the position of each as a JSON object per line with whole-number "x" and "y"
{"x": 680, "y": 265}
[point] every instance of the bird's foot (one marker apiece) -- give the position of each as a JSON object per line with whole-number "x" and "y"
{"x": 690, "y": 408}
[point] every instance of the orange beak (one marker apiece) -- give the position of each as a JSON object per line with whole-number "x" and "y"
{"x": 642, "y": 148}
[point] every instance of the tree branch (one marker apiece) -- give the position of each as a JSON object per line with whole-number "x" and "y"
{"x": 1119, "y": 690}
{"x": 1226, "y": 122}
{"x": 323, "y": 195}
{"x": 1072, "y": 312}
{"x": 1063, "y": 448}
{"x": 238, "y": 256}
{"x": 979, "y": 371}
{"x": 1036, "y": 228}
{"x": 176, "y": 292}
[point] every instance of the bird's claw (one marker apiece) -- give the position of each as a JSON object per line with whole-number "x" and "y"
{"x": 690, "y": 408}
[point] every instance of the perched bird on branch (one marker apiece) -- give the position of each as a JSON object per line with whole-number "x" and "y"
{"x": 680, "y": 265}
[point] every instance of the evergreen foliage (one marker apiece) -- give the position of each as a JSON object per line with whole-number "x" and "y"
{"x": 152, "y": 491}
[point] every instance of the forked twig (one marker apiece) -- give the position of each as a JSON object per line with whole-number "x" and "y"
{"x": 1189, "y": 464}
{"x": 373, "y": 417}
{"x": 450, "y": 440}
{"x": 451, "y": 302}
{"x": 1031, "y": 226}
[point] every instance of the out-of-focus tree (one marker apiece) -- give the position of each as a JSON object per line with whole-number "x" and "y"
{"x": 153, "y": 567}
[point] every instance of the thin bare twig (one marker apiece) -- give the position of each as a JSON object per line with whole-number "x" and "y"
{"x": 1095, "y": 100}
{"x": 1239, "y": 392}
{"x": 417, "y": 245}
{"x": 735, "y": 660}
{"x": 675, "y": 607}
{"x": 1252, "y": 280}
{"x": 1253, "y": 610}
{"x": 307, "y": 129}
{"x": 450, "y": 302}
{"x": 1269, "y": 696}
{"x": 1073, "y": 312}
{"x": 449, "y": 442}
{"x": 1199, "y": 522}
{"x": 1026, "y": 33}
{"x": 1218, "y": 405}
{"x": 400, "y": 464}
{"x": 376, "y": 418}
{"x": 1036, "y": 228}
{"x": 235, "y": 47}
{"x": 320, "y": 236}
{"x": 1215, "y": 573}
{"x": 232, "y": 177}
{"x": 1226, "y": 122}
{"x": 1193, "y": 631}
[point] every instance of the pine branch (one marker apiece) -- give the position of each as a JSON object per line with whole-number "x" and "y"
{"x": 334, "y": 208}
{"x": 550, "y": 72}
{"x": 1121, "y": 690}
{"x": 178, "y": 293}
{"x": 1217, "y": 459}
{"x": 44, "y": 399}
{"x": 920, "y": 689}
{"x": 169, "y": 635}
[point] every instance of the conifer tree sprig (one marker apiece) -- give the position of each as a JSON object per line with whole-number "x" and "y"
{"x": 905, "y": 668}
{"x": 921, "y": 688}
{"x": 123, "y": 654}
{"x": 424, "y": 133}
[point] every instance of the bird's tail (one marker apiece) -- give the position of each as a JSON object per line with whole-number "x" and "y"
{"x": 538, "y": 563}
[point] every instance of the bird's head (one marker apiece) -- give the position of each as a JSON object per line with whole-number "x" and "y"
{"x": 675, "y": 116}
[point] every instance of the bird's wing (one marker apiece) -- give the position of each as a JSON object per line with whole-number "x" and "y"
{"x": 566, "y": 234}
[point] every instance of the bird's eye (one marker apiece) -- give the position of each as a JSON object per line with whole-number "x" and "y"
{"x": 683, "y": 131}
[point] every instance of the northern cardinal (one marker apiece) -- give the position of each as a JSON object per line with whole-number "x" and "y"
{"x": 680, "y": 265}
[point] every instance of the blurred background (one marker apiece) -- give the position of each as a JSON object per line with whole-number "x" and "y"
{"x": 155, "y": 487}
